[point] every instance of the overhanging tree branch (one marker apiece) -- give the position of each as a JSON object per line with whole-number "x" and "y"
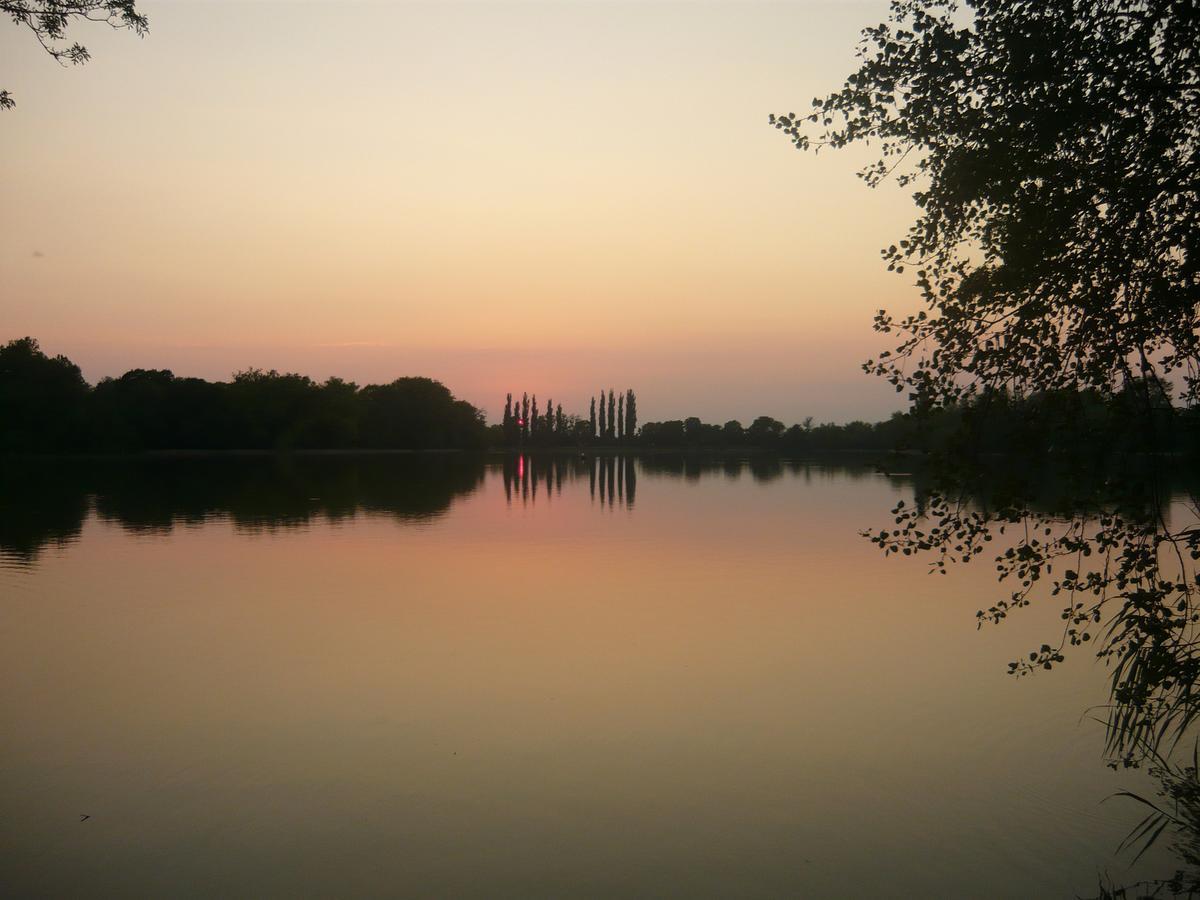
{"x": 49, "y": 20}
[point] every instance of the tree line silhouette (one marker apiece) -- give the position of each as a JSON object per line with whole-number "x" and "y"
{"x": 995, "y": 421}
{"x": 46, "y": 406}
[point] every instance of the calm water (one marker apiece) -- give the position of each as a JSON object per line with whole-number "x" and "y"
{"x": 438, "y": 676}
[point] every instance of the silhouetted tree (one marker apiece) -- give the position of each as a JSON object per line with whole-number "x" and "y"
{"x": 271, "y": 410}
{"x": 663, "y": 434}
{"x": 42, "y": 399}
{"x": 524, "y": 416}
{"x": 49, "y": 20}
{"x": 508, "y": 419}
{"x": 336, "y": 418}
{"x": 151, "y": 409}
{"x": 630, "y": 414}
{"x": 603, "y": 433}
{"x": 559, "y": 420}
{"x": 765, "y": 430}
{"x": 592, "y": 419}
{"x": 1055, "y": 148}
{"x": 580, "y": 428}
{"x": 419, "y": 413}
{"x": 611, "y": 416}
{"x": 620, "y": 415}
{"x": 1056, "y": 249}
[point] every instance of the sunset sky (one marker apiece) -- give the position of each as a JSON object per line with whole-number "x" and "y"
{"x": 554, "y": 197}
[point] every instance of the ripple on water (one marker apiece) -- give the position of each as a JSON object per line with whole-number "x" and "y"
{"x": 17, "y": 565}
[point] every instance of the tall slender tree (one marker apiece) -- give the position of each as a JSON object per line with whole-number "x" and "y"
{"x": 533, "y": 419}
{"x": 524, "y": 416}
{"x": 620, "y": 416}
{"x": 612, "y": 414}
{"x": 507, "y": 426}
{"x": 630, "y": 413}
{"x": 603, "y": 432}
{"x": 559, "y": 420}
{"x": 592, "y": 419}
{"x": 549, "y": 416}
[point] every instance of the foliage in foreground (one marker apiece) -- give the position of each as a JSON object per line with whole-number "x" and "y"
{"x": 1052, "y": 151}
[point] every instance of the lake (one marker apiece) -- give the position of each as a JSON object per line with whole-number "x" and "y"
{"x": 524, "y": 677}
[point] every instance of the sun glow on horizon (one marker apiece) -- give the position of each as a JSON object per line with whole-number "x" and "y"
{"x": 519, "y": 193}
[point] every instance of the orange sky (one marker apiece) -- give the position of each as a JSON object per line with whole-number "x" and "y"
{"x": 553, "y": 197}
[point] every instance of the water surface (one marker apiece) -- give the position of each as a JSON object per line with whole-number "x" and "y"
{"x": 448, "y": 676}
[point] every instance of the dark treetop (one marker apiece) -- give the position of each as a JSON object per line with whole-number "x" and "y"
{"x": 46, "y": 406}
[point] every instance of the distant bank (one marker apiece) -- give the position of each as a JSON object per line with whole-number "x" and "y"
{"x": 46, "y": 407}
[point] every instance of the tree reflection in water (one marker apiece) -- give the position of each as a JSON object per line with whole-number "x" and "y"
{"x": 1114, "y": 539}
{"x": 1114, "y": 543}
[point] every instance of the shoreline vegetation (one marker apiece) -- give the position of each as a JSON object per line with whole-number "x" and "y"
{"x": 48, "y": 409}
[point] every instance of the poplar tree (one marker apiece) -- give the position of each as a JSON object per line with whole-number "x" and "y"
{"x": 592, "y": 419}
{"x": 620, "y": 416}
{"x": 630, "y": 413}
{"x": 558, "y": 419}
{"x": 612, "y": 413}
{"x": 507, "y": 426}
{"x": 533, "y": 421}
{"x": 524, "y": 416}
{"x": 603, "y": 433}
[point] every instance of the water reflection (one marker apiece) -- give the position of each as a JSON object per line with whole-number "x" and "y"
{"x": 612, "y": 480}
{"x": 443, "y": 671}
{"x": 1111, "y": 540}
{"x": 45, "y": 504}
